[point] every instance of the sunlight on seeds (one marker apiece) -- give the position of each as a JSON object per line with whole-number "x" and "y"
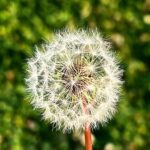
{"x": 74, "y": 66}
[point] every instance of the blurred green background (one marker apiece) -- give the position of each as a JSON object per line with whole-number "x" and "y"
{"x": 24, "y": 23}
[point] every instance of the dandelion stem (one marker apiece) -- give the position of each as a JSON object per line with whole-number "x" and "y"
{"x": 88, "y": 139}
{"x": 87, "y": 130}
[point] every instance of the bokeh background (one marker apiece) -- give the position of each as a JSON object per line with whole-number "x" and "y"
{"x": 24, "y": 23}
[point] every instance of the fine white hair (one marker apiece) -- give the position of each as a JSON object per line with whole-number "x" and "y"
{"x": 55, "y": 89}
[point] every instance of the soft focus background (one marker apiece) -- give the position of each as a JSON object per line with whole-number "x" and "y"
{"x": 24, "y": 23}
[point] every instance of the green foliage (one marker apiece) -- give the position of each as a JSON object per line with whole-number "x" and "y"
{"x": 24, "y": 23}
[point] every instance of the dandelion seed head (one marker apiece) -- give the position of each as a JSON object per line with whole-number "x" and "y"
{"x": 75, "y": 66}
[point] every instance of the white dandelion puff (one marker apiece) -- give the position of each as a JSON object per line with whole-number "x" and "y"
{"x": 75, "y": 80}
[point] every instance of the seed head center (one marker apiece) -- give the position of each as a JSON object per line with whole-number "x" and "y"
{"x": 76, "y": 77}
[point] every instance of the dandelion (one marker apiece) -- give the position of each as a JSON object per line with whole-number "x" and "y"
{"x": 75, "y": 80}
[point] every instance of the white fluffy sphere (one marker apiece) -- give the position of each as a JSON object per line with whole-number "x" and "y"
{"x": 75, "y": 79}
